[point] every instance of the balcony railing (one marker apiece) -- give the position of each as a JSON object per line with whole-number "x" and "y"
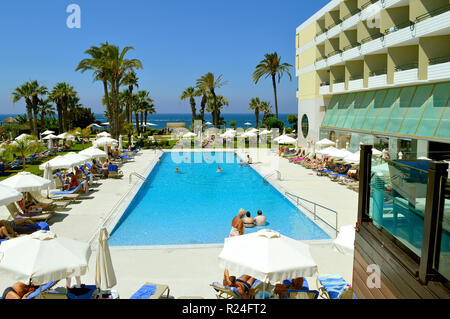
{"x": 322, "y": 31}
{"x": 338, "y": 81}
{"x": 351, "y": 46}
{"x": 321, "y": 58}
{"x": 371, "y": 37}
{"x": 407, "y": 66}
{"x": 334, "y": 24}
{"x": 350, "y": 14}
{"x": 399, "y": 26}
{"x": 439, "y": 59}
{"x": 334, "y": 53}
{"x": 368, "y": 3}
{"x": 433, "y": 13}
{"x": 356, "y": 77}
{"x": 378, "y": 72}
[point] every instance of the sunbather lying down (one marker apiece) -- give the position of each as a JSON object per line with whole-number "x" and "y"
{"x": 242, "y": 284}
{"x": 18, "y": 291}
{"x": 281, "y": 289}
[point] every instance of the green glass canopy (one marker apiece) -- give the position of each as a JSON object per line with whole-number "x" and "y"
{"x": 414, "y": 111}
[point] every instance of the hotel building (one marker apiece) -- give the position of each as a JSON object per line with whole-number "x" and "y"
{"x": 376, "y": 72}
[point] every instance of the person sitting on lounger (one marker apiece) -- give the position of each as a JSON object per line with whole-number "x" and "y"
{"x": 281, "y": 289}
{"x": 18, "y": 291}
{"x": 248, "y": 221}
{"x": 74, "y": 182}
{"x": 105, "y": 168}
{"x": 28, "y": 206}
{"x": 260, "y": 220}
{"x": 243, "y": 284}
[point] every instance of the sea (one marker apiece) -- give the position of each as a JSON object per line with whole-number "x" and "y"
{"x": 160, "y": 119}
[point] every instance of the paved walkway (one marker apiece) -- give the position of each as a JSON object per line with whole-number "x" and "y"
{"x": 189, "y": 271}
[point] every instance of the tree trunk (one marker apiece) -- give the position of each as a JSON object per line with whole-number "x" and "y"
{"x": 42, "y": 120}
{"x": 194, "y": 111}
{"x": 142, "y": 121}
{"x": 136, "y": 114}
{"x": 60, "y": 111}
{"x": 202, "y": 109}
{"x": 108, "y": 103}
{"x": 30, "y": 117}
{"x": 257, "y": 117}
{"x": 215, "y": 119}
{"x": 145, "y": 127}
{"x": 275, "y": 94}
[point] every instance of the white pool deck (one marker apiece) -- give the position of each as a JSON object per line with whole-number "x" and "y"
{"x": 188, "y": 270}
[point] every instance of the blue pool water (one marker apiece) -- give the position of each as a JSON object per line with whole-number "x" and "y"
{"x": 197, "y": 205}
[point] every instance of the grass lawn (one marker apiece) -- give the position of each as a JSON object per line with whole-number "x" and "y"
{"x": 34, "y": 167}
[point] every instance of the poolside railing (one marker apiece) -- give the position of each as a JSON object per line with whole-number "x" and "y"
{"x": 314, "y": 210}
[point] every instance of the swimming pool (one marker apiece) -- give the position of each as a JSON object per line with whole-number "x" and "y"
{"x": 197, "y": 205}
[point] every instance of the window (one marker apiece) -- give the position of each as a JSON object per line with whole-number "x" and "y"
{"x": 305, "y": 126}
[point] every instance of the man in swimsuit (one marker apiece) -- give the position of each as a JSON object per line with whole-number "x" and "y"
{"x": 243, "y": 284}
{"x": 219, "y": 169}
{"x": 237, "y": 225}
{"x": 260, "y": 220}
{"x": 18, "y": 291}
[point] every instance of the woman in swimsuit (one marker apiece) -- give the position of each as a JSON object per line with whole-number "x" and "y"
{"x": 18, "y": 291}
{"x": 243, "y": 284}
{"x": 249, "y": 222}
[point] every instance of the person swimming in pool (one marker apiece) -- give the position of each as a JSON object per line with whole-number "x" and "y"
{"x": 242, "y": 163}
{"x": 177, "y": 170}
{"x": 219, "y": 169}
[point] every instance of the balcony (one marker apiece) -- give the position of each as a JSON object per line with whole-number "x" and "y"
{"x": 351, "y": 46}
{"x": 424, "y": 28}
{"x": 371, "y": 37}
{"x": 368, "y": 3}
{"x": 377, "y": 81}
{"x": 350, "y": 14}
{"x": 406, "y": 76}
{"x": 439, "y": 71}
{"x": 399, "y": 27}
{"x": 324, "y": 89}
{"x": 407, "y": 66}
{"x": 355, "y": 84}
{"x": 333, "y": 53}
{"x": 433, "y": 13}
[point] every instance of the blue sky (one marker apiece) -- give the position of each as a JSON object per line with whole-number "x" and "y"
{"x": 177, "y": 42}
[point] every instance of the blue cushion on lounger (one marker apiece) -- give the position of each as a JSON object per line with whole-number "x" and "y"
{"x": 113, "y": 168}
{"x": 85, "y": 292}
{"x": 40, "y": 225}
{"x": 67, "y": 192}
{"x": 304, "y": 286}
{"x": 144, "y": 292}
{"x": 334, "y": 284}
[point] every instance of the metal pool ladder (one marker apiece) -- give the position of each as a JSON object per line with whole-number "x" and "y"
{"x": 138, "y": 176}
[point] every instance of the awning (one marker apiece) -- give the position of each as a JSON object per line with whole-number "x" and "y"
{"x": 414, "y": 112}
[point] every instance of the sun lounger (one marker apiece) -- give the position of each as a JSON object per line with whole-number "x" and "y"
{"x": 73, "y": 191}
{"x": 151, "y": 291}
{"x": 42, "y": 289}
{"x": 17, "y": 214}
{"x": 85, "y": 292}
{"x": 224, "y": 292}
{"x": 333, "y": 286}
{"x": 126, "y": 158}
{"x": 48, "y": 201}
{"x": 114, "y": 172}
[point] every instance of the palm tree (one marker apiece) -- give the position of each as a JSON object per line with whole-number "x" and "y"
{"x": 24, "y": 92}
{"x": 266, "y": 108}
{"x": 64, "y": 96}
{"x": 220, "y": 102}
{"x": 204, "y": 93}
{"x": 272, "y": 66}
{"x": 190, "y": 93}
{"x": 255, "y": 104}
{"x": 81, "y": 133}
{"x": 145, "y": 106}
{"x": 211, "y": 83}
{"x": 25, "y": 146}
{"x": 131, "y": 80}
{"x": 136, "y": 107}
{"x": 30, "y": 92}
{"x": 99, "y": 64}
{"x": 45, "y": 108}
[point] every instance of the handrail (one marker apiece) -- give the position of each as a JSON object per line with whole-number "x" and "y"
{"x": 439, "y": 59}
{"x": 407, "y": 66}
{"x": 378, "y": 72}
{"x": 433, "y": 13}
{"x": 314, "y": 212}
{"x": 399, "y": 26}
{"x": 371, "y": 37}
{"x": 137, "y": 175}
{"x": 334, "y": 53}
{"x": 271, "y": 174}
{"x": 368, "y": 3}
{"x": 334, "y": 24}
{"x": 350, "y": 14}
{"x": 351, "y": 46}
{"x": 356, "y": 77}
